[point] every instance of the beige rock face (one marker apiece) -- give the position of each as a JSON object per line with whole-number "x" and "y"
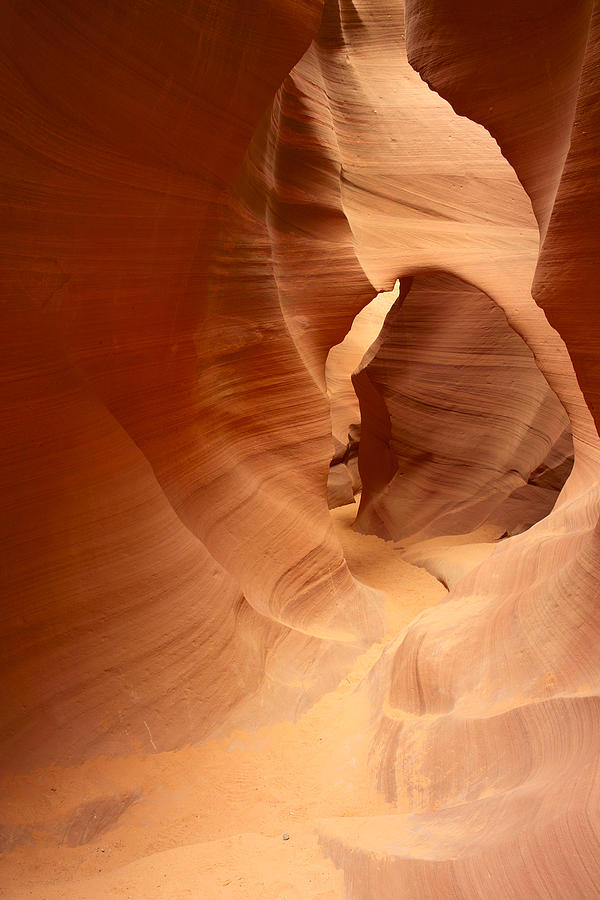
{"x": 200, "y": 200}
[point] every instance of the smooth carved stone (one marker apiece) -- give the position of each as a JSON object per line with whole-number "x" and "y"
{"x": 201, "y": 200}
{"x": 468, "y": 419}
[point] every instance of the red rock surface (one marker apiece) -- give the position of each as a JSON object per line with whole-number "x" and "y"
{"x": 200, "y": 198}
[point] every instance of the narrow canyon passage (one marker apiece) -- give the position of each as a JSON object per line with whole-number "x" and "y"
{"x": 299, "y": 450}
{"x": 209, "y": 820}
{"x": 441, "y": 414}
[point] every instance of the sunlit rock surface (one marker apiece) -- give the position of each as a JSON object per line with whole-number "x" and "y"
{"x": 198, "y": 656}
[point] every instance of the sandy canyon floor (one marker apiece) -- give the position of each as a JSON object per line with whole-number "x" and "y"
{"x": 209, "y": 821}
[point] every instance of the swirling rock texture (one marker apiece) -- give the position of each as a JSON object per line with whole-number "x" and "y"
{"x": 201, "y": 198}
{"x": 454, "y": 402}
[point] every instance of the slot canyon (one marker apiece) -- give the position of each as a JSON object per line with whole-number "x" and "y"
{"x": 300, "y": 461}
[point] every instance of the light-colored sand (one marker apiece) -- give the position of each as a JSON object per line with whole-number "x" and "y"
{"x": 208, "y": 821}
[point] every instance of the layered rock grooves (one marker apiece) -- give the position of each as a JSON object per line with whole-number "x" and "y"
{"x": 468, "y": 426}
{"x": 126, "y": 451}
{"x": 201, "y": 200}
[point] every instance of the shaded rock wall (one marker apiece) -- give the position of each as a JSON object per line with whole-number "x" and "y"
{"x": 120, "y": 144}
{"x": 464, "y": 415}
{"x": 568, "y": 261}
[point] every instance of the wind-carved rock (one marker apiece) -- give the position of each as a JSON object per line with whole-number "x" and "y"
{"x": 201, "y": 202}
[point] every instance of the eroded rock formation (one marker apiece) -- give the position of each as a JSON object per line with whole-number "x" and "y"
{"x": 201, "y": 200}
{"x": 459, "y": 425}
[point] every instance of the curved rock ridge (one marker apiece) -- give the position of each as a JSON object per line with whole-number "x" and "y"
{"x": 202, "y": 198}
{"x": 515, "y": 68}
{"x": 422, "y": 189}
{"x": 373, "y": 186}
{"x": 123, "y": 630}
{"x": 487, "y": 741}
{"x": 120, "y": 147}
{"x": 452, "y": 398}
{"x": 508, "y": 661}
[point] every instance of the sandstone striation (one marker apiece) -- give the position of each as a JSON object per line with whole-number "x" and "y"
{"x": 455, "y": 404}
{"x": 250, "y": 250}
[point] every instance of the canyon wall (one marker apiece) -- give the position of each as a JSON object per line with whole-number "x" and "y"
{"x": 471, "y": 431}
{"x": 201, "y": 198}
